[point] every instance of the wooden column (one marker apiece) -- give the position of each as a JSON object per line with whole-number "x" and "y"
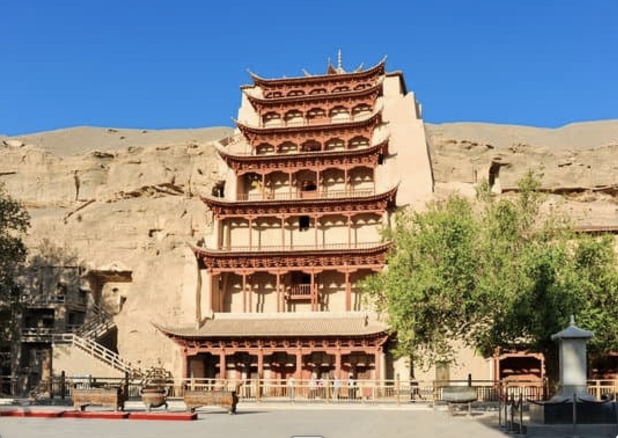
{"x": 282, "y": 232}
{"x": 250, "y": 298}
{"x": 338, "y": 372}
{"x": 315, "y": 233}
{"x": 278, "y": 294}
{"x": 314, "y": 293}
{"x": 222, "y": 365}
{"x": 260, "y": 362}
{"x": 299, "y": 363}
{"x": 348, "y": 292}
{"x": 244, "y": 292}
{"x": 219, "y": 227}
{"x": 185, "y": 364}
{"x": 250, "y": 232}
{"x": 349, "y": 230}
{"x": 377, "y": 356}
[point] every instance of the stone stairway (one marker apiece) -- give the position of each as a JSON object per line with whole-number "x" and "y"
{"x": 87, "y": 336}
{"x": 98, "y": 324}
{"x": 99, "y": 352}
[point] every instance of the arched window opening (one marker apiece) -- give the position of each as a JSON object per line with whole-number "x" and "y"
{"x": 296, "y": 93}
{"x": 339, "y": 113}
{"x": 293, "y": 117}
{"x": 311, "y": 146}
{"x": 316, "y": 115}
{"x": 288, "y": 148}
{"x": 264, "y": 149}
{"x": 335, "y": 144}
{"x": 308, "y": 189}
{"x": 271, "y": 119}
{"x": 361, "y": 110}
{"x": 358, "y": 143}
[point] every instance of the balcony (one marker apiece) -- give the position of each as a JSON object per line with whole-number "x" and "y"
{"x": 303, "y": 194}
{"x": 299, "y": 248}
{"x": 298, "y": 292}
{"x": 37, "y": 334}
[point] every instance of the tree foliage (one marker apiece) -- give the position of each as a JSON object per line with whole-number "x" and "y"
{"x": 14, "y": 222}
{"x": 495, "y": 273}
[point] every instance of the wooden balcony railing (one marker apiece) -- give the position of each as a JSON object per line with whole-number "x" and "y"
{"x": 298, "y": 292}
{"x": 304, "y": 194}
{"x": 294, "y": 247}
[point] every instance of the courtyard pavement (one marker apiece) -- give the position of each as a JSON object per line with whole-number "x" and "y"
{"x": 269, "y": 420}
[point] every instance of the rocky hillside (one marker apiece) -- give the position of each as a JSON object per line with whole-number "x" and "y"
{"x": 131, "y": 196}
{"x": 578, "y": 163}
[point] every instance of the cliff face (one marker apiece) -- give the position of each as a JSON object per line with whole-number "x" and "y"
{"x": 127, "y": 197}
{"x": 578, "y": 163}
{"x": 132, "y": 197}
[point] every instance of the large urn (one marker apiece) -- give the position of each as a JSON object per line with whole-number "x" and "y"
{"x": 154, "y": 396}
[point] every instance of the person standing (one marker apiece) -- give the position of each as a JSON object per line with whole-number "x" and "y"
{"x": 291, "y": 384}
{"x": 336, "y": 387}
{"x": 351, "y": 387}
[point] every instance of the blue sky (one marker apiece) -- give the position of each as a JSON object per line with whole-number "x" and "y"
{"x": 155, "y": 64}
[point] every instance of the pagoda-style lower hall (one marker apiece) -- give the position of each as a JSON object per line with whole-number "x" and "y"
{"x": 279, "y": 347}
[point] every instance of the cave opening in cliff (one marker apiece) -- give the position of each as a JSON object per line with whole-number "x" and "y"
{"x": 494, "y": 177}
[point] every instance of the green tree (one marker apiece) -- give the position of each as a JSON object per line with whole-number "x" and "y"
{"x": 494, "y": 273}
{"x": 14, "y": 222}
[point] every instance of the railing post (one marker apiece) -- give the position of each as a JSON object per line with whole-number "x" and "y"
{"x": 499, "y": 404}
{"x": 521, "y": 413}
{"x": 63, "y": 385}
{"x": 397, "y": 389}
{"x": 574, "y": 415}
{"x": 512, "y": 405}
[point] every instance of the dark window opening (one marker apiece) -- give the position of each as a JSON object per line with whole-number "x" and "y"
{"x": 218, "y": 189}
{"x": 309, "y": 186}
{"x": 304, "y": 222}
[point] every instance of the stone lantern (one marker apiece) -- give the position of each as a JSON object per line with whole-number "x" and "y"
{"x": 572, "y": 361}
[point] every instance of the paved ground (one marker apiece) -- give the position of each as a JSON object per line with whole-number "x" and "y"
{"x": 269, "y": 421}
{"x": 282, "y": 420}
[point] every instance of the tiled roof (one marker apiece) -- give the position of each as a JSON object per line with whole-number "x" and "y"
{"x": 229, "y": 325}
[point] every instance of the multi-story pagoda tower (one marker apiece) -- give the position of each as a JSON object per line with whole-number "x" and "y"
{"x": 313, "y": 175}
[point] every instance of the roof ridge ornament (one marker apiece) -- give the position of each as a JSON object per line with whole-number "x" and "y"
{"x": 339, "y": 63}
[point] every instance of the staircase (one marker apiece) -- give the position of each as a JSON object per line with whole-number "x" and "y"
{"x": 96, "y": 350}
{"x": 86, "y": 337}
{"x": 97, "y": 325}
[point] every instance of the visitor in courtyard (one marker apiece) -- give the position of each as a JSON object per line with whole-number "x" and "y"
{"x": 336, "y": 387}
{"x": 313, "y": 387}
{"x": 351, "y": 387}
{"x": 291, "y": 384}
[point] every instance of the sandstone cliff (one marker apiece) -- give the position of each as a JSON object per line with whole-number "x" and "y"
{"x": 131, "y": 197}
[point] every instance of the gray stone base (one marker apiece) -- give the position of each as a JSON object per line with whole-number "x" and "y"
{"x": 563, "y": 413}
{"x": 564, "y": 430}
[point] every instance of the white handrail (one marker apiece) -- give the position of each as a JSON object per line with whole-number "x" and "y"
{"x": 99, "y": 352}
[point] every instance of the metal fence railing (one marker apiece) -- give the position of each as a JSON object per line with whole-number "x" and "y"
{"x": 324, "y": 391}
